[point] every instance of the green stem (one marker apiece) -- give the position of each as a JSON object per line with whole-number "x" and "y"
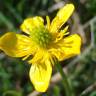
{"x": 66, "y": 83}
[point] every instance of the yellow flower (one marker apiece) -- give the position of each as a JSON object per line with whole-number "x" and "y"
{"x": 42, "y": 44}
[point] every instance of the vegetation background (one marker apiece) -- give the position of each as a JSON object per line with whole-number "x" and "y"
{"x": 81, "y": 70}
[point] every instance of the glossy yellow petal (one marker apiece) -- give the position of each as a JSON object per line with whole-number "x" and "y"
{"x": 30, "y": 23}
{"x": 40, "y": 74}
{"x": 15, "y": 45}
{"x": 61, "y": 17}
{"x": 67, "y": 47}
{"x": 38, "y": 56}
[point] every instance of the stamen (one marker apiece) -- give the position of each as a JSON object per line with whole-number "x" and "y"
{"x": 62, "y": 34}
{"x": 41, "y": 36}
{"x": 24, "y": 58}
{"x": 48, "y": 22}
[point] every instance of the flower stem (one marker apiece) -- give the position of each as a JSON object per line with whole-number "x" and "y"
{"x": 66, "y": 83}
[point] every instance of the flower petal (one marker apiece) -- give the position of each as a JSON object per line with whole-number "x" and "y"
{"x": 61, "y": 17}
{"x": 30, "y": 23}
{"x": 15, "y": 45}
{"x": 38, "y": 56}
{"x": 40, "y": 74}
{"x": 67, "y": 47}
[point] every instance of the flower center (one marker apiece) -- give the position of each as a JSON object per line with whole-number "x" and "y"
{"x": 41, "y": 36}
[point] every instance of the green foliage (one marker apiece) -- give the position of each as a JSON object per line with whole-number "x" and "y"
{"x": 93, "y": 93}
{"x": 91, "y": 5}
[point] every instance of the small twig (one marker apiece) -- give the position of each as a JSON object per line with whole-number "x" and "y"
{"x": 56, "y": 6}
{"x": 89, "y": 89}
{"x": 78, "y": 27}
{"x": 83, "y": 1}
{"x": 92, "y": 31}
